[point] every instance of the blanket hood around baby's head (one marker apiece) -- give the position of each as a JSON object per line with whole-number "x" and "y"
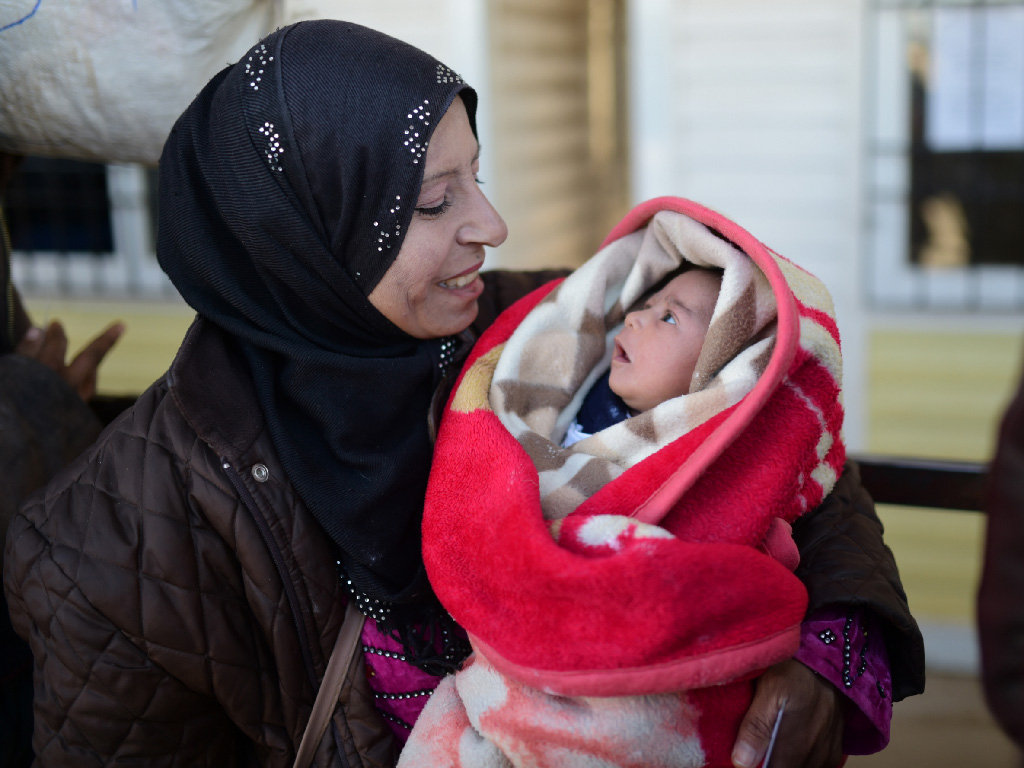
{"x": 635, "y": 561}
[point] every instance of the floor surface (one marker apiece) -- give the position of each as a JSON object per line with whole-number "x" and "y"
{"x": 947, "y": 726}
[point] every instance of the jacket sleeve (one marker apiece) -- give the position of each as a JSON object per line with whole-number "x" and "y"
{"x": 1001, "y": 594}
{"x": 845, "y": 563}
{"x": 78, "y": 565}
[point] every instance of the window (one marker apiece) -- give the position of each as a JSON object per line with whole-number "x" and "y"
{"x": 59, "y": 206}
{"x": 84, "y": 229}
{"x": 945, "y": 173}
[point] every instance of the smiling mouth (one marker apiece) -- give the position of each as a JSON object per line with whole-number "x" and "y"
{"x": 461, "y": 281}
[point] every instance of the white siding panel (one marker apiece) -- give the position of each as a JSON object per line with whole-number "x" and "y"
{"x": 539, "y": 55}
{"x": 451, "y": 30}
{"x": 763, "y": 114}
{"x": 757, "y": 114}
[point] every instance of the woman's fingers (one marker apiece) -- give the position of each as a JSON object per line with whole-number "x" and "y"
{"x": 811, "y": 731}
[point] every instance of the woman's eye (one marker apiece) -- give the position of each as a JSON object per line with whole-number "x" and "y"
{"x": 669, "y": 318}
{"x": 432, "y": 212}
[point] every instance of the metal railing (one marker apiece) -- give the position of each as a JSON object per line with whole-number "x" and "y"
{"x": 932, "y": 483}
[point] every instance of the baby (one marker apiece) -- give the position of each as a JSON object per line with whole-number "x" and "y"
{"x": 610, "y": 497}
{"x": 655, "y": 354}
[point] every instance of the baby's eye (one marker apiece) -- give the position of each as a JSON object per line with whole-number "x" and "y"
{"x": 669, "y": 318}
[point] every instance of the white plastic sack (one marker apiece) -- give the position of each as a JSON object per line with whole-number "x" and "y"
{"x": 106, "y": 79}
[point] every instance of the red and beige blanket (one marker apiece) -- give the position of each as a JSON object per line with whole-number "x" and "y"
{"x": 622, "y": 594}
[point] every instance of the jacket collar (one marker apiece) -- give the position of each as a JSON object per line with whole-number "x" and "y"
{"x": 210, "y": 382}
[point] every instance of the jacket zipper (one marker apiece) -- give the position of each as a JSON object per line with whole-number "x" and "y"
{"x": 249, "y": 501}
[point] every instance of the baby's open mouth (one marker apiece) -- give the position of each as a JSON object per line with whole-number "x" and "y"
{"x": 461, "y": 281}
{"x": 620, "y": 353}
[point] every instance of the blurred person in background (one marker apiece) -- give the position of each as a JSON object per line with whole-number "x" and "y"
{"x": 45, "y": 422}
{"x": 1001, "y": 593}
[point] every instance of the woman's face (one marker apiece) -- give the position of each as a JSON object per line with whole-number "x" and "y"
{"x": 431, "y": 288}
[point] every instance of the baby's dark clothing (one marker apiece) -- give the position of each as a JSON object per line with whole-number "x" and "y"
{"x": 601, "y": 409}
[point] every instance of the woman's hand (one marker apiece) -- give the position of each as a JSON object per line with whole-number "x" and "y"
{"x": 811, "y": 732}
{"x": 50, "y": 345}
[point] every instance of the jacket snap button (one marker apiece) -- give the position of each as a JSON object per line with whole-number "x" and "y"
{"x": 260, "y": 473}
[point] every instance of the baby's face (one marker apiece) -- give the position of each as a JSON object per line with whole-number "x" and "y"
{"x": 656, "y": 351}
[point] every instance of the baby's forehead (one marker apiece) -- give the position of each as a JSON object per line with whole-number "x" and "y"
{"x": 696, "y": 281}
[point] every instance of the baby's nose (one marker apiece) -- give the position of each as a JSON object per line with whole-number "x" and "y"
{"x": 637, "y": 318}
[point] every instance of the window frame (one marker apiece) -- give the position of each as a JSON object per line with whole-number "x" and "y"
{"x": 891, "y": 278}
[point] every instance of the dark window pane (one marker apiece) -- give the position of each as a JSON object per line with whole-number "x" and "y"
{"x": 968, "y": 200}
{"x": 59, "y": 206}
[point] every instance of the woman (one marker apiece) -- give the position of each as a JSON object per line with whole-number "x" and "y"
{"x": 183, "y": 584}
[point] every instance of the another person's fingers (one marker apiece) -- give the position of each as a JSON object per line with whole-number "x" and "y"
{"x": 54, "y": 347}
{"x": 811, "y": 732}
{"x": 30, "y": 343}
{"x": 92, "y": 354}
{"x": 81, "y": 371}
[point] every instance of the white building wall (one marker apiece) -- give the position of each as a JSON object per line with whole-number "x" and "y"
{"x": 454, "y": 31}
{"x": 754, "y": 109}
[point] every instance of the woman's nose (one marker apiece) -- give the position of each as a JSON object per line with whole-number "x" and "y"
{"x": 485, "y": 226}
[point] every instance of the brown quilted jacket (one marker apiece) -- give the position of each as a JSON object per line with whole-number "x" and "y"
{"x": 181, "y": 602}
{"x": 179, "y": 599}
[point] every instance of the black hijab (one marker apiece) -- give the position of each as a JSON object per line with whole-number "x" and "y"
{"x": 286, "y": 190}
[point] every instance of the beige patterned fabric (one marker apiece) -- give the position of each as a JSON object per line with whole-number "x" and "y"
{"x": 565, "y": 344}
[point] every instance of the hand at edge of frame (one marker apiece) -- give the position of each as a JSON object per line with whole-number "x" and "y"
{"x": 811, "y": 731}
{"x": 49, "y": 346}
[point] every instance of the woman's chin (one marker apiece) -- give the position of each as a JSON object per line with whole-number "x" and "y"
{"x": 461, "y": 302}
{"x": 456, "y": 312}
